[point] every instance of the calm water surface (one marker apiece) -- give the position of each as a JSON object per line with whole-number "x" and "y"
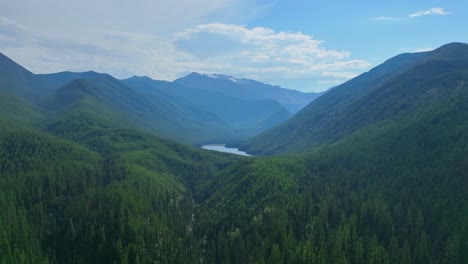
{"x": 223, "y": 148}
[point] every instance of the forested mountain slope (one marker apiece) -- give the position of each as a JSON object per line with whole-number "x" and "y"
{"x": 16, "y": 111}
{"x": 393, "y": 192}
{"x": 79, "y": 187}
{"x": 397, "y": 87}
{"x": 84, "y": 191}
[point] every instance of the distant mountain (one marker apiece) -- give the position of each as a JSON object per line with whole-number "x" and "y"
{"x": 247, "y": 117}
{"x": 59, "y": 79}
{"x": 389, "y": 91}
{"x": 247, "y": 89}
{"x": 179, "y": 110}
{"x": 34, "y": 97}
{"x": 111, "y": 99}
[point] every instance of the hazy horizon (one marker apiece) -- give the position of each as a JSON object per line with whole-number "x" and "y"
{"x": 299, "y": 45}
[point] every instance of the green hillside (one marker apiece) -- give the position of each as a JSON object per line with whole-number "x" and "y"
{"x": 398, "y": 86}
{"x": 394, "y": 192}
{"x": 16, "y": 111}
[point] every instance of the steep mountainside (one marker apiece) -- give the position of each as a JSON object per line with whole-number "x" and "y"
{"x": 20, "y": 82}
{"x": 247, "y": 89}
{"x": 393, "y": 192}
{"x": 15, "y": 111}
{"x": 399, "y": 86}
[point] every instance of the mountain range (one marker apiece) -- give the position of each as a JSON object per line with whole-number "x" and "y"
{"x": 201, "y": 110}
{"x": 247, "y": 89}
{"x": 372, "y": 171}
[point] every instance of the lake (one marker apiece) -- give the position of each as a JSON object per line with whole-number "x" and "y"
{"x": 223, "y": 148}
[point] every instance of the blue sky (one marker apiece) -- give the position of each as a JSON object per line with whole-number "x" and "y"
{"x": 298, "y": 44}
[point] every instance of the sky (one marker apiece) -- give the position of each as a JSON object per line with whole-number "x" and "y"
{"x": 305, "y": 45}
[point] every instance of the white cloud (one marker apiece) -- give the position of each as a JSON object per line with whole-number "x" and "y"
{"x": 164, "y": 40}
{"x": 343, "y": 75}
{"x": 423, "y": 49}
{"x": 412, "y": 50}
{"x": 264, "y": 53}
{"x": 8, "y": 26}
{"x": 432, "y": 11}
{"x": 141, "y": 16}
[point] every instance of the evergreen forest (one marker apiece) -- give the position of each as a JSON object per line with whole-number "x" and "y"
{"x": 373, "y": 171}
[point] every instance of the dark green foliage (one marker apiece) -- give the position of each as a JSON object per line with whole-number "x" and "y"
{"x": 394, "y": 192}
{"x": 113, "y": 195}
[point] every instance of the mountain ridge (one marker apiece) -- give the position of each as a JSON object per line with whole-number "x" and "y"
{"x": 347, "y": 107}
{"x": 247, "y": 89}
{"x": 157, "y": 109}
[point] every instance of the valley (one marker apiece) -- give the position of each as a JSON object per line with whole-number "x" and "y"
{"x": 96, "y": 169}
